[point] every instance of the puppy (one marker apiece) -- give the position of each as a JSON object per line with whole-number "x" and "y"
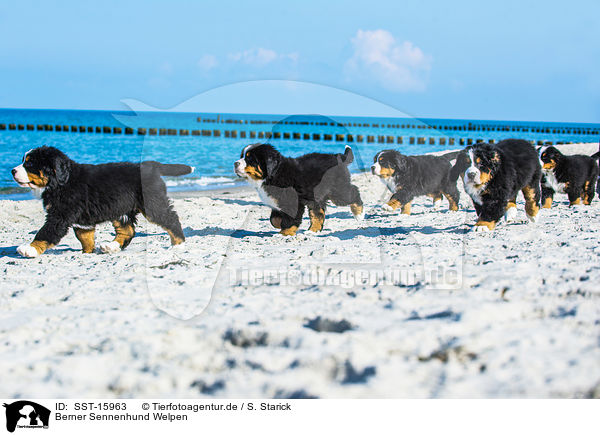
{"x": 493, "y": 175}
{"x": 410, "y": 176}
{"x": 574, "y": 175}
{"x": 81, "y": 196}
{"x": 289, "y": 185}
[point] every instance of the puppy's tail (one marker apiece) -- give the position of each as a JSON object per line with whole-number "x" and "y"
{"x": 168, "y": 169}
{"x": 348, "y": 156}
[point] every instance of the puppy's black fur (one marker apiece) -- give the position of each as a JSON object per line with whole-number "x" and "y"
{"x": 82, "y": 196}
{"x": 289, "y": 185}
{"x": 575, "y": 175}
{"x": 410, "y": 176}
{"x": 494, "y": 174}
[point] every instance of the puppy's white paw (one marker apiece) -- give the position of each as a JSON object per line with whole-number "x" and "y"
{"x": 360, "y": 217}
{"x": 480, "y": 229}
{"x": 179, "y": 247}
{"x": 533, "y": 219}
{"x": 437, "y": 204}
{"x": 386, "y": 207}
{"x": 511, "y": 214}
{"x": 109, "y": 247}
{"x": 28, "y": 251}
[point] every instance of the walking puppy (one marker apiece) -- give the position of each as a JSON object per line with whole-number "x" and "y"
{"x": 493, "y": 175}
{"x": 410, "y": 176}
{"x": 81, "y": 196}
{"x": 574, "y": 175}
{"x": 289, "y": 185}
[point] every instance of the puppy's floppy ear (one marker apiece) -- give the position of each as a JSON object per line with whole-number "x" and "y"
{"x": 399, "y": 161}
{"x": 273, "y": 161}
{"x": 62, "y": 169}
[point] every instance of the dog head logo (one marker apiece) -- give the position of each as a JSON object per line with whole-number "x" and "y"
{"x": 26, "y": 414}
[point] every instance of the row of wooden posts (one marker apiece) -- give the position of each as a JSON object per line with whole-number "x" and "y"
{"x": 235, "y": 134}
{"x": 466, "y": 127}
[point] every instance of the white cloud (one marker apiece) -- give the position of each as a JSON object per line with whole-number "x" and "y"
{"x": 395, "y": 65}
{"x": 208, "y": 62}
{"x": 259, "y": 57}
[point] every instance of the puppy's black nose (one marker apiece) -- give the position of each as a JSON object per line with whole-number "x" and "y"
{"x": 14, "y": 171}
{"x": 373, "y": 169}
{"x": 236, "y": 164}
{"x": 471, "y": 175}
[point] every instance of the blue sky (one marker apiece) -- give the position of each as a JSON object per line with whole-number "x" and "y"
{"x": 513, "y": 60}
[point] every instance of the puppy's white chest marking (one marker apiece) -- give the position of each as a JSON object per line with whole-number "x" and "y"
{"x": 263, "y": 195}
{"x": 552, "y": 182}
{"x": 389, "y": 183}
{"x": 474, "y": 192}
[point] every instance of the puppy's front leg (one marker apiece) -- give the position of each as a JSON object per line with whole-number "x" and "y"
{"x": 490, "y": 214}
{"x": 48, "y": 236}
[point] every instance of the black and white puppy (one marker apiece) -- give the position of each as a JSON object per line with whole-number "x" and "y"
{"x": 80, "y": 196}
{"x": 410, "y": 176}
{"x": 575, "y": 175}
{"x": 493, "y": 175}
{"x": 289, "y": 185}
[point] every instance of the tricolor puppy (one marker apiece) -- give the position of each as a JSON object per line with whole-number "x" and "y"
{"x": 574, "y": 175}
{"x": 289, "y": 185}
{"x": 493, "y": 175}
{"x": 410, "y": 176}
{"x": 81, "y": 196}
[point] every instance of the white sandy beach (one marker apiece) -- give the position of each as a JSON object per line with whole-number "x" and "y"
{"x": 511, "y": 313}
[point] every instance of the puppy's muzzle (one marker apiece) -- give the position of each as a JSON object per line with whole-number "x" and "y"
{"x": 238, "y": 167}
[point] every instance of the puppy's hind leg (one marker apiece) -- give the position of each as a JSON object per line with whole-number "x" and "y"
{"x": 317, "y": 217}
{"x": 532, "y": 196}
{"x": 588, "y": 192}
{"x": 453, "y": 196}
{"x": 124, "y": 232}
{"x": 161, "y": 213}
{"x": 547, "y": 197}
{"x": 289, "y": 224}
{"x": 86, "y": 238}
{"x": 511, "y": 210}
{"x": 356, "y": 205}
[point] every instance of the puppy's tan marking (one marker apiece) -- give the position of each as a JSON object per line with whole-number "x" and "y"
{"x": 254, "y": 172}
{"x": 317, "y": 218}
{"x": 124, "y": 233}
{"x": 531, "y": 206}
{"x": 548, "y": 203}
{"x": 291, "y": 231}
{"x": 41, "y": 246}
{"x": 394, "y": 203}
{"x": 490, "y": 225}
{"x": 39, "y": 180}
{"x": 453, "y": 205}
{"x": 86, "y": 238}
{"x": 356, "y": 209}
{"x": 406, "y": 208}
{"x": 386, "y": 172}
{"x": 174, "y": 239}
{"x": 484, "y": 177}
